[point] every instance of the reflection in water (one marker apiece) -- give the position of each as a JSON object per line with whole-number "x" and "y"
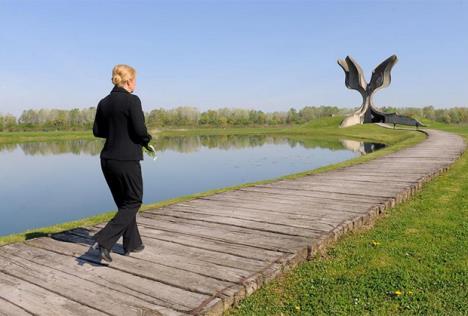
{"x": 77, "y": 147}
{"x": 361, "y": 147}
{"x": 45, "y": 183}
{"x": 189, "y": 144}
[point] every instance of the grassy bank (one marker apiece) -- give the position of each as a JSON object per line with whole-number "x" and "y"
{"x": 23, "y": 137}
{"x": 325, "y": 129}
{"x": 413, "y": 261}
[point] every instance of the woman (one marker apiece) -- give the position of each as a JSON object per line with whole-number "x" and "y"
{"x": 120, "y": 120}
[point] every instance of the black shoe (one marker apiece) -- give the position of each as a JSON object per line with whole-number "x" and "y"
{"x": 105, "y": 254}
{"x": 137, "y": 249}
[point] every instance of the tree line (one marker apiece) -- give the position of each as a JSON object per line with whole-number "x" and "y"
{"x": 184, "y": 116}
{"x": 456, "y": 115}
{"x": 82, "y": 119}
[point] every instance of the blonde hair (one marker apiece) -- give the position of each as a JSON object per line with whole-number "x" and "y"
{"x": 122, "y": 73}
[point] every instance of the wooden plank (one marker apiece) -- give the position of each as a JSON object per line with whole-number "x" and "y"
{"x": 360, "y": 169}
{"x": 302, "y": 207}
{"x": 301, "y": 216}
{"x": 134, "y": 286}
{"x": 8, "y": 309}
{"x": 277, "y": 226}
{"x": 372, "y": 173}
{"x": 183, "y": 279}
{"x": 287, "y": 204}
{"x": 316, "y": 193}
{"x": 260, "y": 196}
{"x": 292, "y": 224}
{"x": 356, "y": 180}
{"x": 376, "y": 178}
{"x": 248, "y": 252}
{"x": 400, "y": 166}
{"x": 391, "y": 183}
{"x": 39, "y": 301}
{"x": 408, "y": 161}
{"x": 292, "y": 205}
{"x": 103, "y": 299}
{"x": 360, "y": 189}
{"x": 247, "y": 259}
{"x": 79, "y": 247}
{"x": 306, "y": 209}
{"x": 347, "y": 187}
{"x": 414, "y": 159}
{"x": 185, "y": 258}
{"x": 237, "y": 235}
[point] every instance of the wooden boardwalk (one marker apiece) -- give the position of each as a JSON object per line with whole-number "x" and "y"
{"x": 204, "y": 255}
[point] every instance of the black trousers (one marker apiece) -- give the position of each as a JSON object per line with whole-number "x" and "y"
{"x": 126, "y": 184}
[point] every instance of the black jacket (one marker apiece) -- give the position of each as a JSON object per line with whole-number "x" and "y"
{"x": 120, "y": 120}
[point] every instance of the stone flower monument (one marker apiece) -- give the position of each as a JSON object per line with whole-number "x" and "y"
{"x": 367, "y": 113}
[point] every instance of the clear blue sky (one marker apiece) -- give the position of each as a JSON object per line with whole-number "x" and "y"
{"x": 267, "y": 55}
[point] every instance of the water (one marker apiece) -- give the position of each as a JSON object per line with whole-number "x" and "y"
{"x": 46, "y": 183}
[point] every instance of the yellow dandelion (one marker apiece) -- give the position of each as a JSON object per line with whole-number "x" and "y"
{"x": 398, "y": 293}
{"x": 298, "y": 308}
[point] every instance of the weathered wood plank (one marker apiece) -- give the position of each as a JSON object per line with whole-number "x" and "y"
{"x": 306, "y": 210}
{"x": 134, "y": 286}
{"x": 185, "y": 258}
{"x": 393, "y": 182}
{"x": 104, "y": 299}
{"x": 309, "y": 193}
{"x": 79, "y": 247}
{"x": 274, "y": 223}
{"x": 293, "y": 205}
{"x": 251, "y": 254}
{"x": 386, "y": 174}
{"x": 364, "y": 169}
{"x": 305, "y": 225}
{"x": 39, "y": 301}
{"x": 288, "y": 204}
{"x": 8, "y": 309}
{"x": 304, "y": 216}
{"x": 238, "y": 235}
{"x": 361, "y": 189}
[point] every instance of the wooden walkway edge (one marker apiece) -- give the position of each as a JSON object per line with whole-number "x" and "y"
{"x": 204, "y": 255}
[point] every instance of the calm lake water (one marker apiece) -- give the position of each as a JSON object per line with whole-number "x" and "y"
{"x": 45, "y": 183}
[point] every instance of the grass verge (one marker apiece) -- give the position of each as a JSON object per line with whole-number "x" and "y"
{"x": 24, "y": 137}
{"x": 413, "y": 261}
{"x": 395, "y": 139}
{"x": 326, "y": 127}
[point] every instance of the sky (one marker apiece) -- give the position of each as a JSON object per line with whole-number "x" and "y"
{"x": 264, "y": 55}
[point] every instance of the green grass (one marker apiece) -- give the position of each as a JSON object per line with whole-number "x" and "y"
{"x": 324, "y": 131}
{"x": 325, "y": 127}
{"x": 23, "y": 137}
{"x": 414, "y": 261}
